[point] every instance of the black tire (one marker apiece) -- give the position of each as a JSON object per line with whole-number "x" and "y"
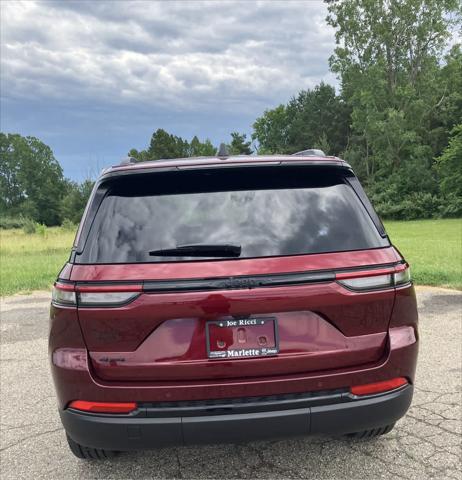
{"x": 88, "y": 453}
{"x": 373, "y": 432}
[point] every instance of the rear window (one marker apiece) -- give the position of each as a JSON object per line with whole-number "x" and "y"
{"x": 270, "y": 211}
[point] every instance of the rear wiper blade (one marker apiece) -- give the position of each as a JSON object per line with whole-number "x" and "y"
{"x": 199, "y": 250}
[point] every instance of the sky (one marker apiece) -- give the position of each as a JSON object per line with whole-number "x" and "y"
{"x": 94, "y": 79}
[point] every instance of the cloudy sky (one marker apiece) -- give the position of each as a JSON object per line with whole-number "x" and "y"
{"x": 94, "y": 79}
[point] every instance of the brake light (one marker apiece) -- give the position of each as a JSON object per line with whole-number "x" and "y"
{"x": 378, "y": 387}
{"x": 103, "y": 407}
{"x": 375, "y": 279}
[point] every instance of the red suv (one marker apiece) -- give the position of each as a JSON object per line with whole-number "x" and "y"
{"x": 232, "y": 298}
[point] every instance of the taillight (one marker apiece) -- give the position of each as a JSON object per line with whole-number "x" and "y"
{"x": 375, "y": 279}
{"x": 403, "y": 277}
{"x": 63, "y": 294}
{"x": 103, "y": 407}
{"x": 106, "y": 298}
{"x": 378, "y": 387}
{"x": 67, "y": 295}
{"x": 106, "y": 295}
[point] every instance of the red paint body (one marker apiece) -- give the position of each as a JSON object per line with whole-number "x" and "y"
{"x": 154, "y": 348}
{"x": 330, "y": 337}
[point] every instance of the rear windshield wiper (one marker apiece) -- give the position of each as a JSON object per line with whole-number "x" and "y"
{"x": 199, "y": 250}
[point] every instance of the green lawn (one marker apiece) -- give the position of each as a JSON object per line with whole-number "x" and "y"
{"x": 31, "y": 262}
{"x": 432, "y": 247}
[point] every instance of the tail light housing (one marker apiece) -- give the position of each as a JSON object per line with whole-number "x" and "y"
{"x": 63, "y": 294}
{"x": 94, "y": 295}
{"x": 364, "y": 280}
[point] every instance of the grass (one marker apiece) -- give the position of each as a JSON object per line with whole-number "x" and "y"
{"x": 32, "y": 261}
{"x": 432, "y": 247}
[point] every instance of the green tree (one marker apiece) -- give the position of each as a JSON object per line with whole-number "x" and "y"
{"x": 388, "y": 60}
{"x": 74, "y": 201}
{"x": 239, "y": 145}
{"x": 317, "y": 118}
{"x": 31, "y": 179}
{"x": 164, "y": 145}
{"x": 201, "y": 149}
{"x": 270, "y": 131}
{"x": 449, "y": 168}
{"x": 140, "y": 156}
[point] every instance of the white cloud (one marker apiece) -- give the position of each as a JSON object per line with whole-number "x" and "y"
{"x": 184, "y": 55}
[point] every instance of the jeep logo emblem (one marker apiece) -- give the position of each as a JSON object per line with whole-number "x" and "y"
{"x": 239, "y": 283}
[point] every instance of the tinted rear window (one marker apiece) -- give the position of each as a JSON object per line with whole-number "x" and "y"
{"x": 269, "y": 211}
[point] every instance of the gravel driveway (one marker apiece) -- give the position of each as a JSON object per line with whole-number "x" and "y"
{"x": 425, "y": 444}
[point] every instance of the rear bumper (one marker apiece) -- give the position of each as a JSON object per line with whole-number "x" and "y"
{"x": 154, "y": 425}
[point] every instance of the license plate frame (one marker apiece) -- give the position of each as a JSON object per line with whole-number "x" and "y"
{"x": 248, "y": 324}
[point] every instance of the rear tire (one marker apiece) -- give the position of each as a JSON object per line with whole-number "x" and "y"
{"x": 88, "y": 453}
{"x": 372, "y": 433}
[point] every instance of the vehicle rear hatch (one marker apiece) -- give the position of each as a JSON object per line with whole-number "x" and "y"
{"x": 296, "y": 229}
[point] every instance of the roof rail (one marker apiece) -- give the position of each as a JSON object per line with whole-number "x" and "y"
{"x": 127, "y": 161}
{"x": 311, "y": 152}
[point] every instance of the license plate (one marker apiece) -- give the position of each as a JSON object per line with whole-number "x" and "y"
{"x": 242, "y": 338}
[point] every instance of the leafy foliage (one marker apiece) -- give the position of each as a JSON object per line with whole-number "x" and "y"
{"x": 239, "y": 145}
{"x": 402, "y": 100}
{"x": 315, "y": 118}
{"x": 164, "y": 145}
{"x": 400, "y": 97}
{"x": 31, "y": 179}
{"x": 449, "y": 168}
{"x": 8, "y": 222}
{"x": 75, "y": 199}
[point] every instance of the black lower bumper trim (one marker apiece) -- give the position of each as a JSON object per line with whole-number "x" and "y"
{"x": 113, "y": 432}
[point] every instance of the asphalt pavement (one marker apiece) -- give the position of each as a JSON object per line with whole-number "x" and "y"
{"x": 425, "y": 444}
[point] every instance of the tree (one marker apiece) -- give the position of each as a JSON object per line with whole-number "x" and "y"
{"x": 164, "y": 145}
{"x": 449, "y": 168}
{"x": 139, "y": 156}
{"x": 201, "y": 149}
{"x": 270, "y": 130}
{"x": 31, "y": 179}
{"x": 239, "y": 145}
{"x": 387, "y": 57}
{"x": 389, "y": 60}
{"x": 74, "y": 201}
{"x": 314, "y": 118}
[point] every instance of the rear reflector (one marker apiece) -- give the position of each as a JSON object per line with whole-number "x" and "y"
{"x": 378, "y": 387}
{"x": 103, "y": 407}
